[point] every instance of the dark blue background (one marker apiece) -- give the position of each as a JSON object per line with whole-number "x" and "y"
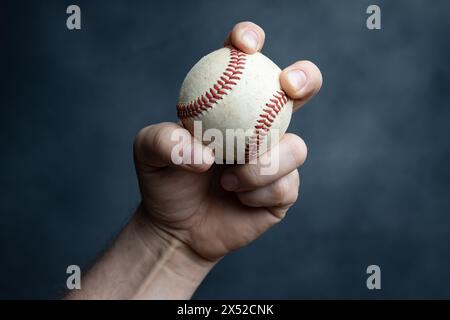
{"x": 375, "y": 188}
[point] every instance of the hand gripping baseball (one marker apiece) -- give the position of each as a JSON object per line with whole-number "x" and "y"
{"x": 214, "y": 209}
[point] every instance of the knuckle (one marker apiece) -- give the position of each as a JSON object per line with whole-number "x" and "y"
{"x": 279, "y": 190}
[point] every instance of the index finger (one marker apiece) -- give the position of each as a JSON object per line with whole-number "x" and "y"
{"x": 168, "y": 144}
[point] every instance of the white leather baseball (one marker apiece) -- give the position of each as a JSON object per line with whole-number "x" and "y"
{"x": 229, "y": 89}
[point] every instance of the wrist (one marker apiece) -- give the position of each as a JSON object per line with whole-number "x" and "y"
{"x": 173, "y": 259}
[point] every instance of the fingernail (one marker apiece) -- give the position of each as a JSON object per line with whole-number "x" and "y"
{"x": 229, "y": 182}
{"x": 297, "y": 79}
{"x": 250, "y": 39}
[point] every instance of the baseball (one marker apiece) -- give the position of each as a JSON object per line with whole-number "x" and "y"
{"x": 231, "y": 90}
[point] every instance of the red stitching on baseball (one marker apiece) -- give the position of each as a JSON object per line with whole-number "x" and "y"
{"x": 263, "y": 124}
{"x": 226, "y": 82}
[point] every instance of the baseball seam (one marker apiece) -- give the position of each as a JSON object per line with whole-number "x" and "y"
{"x": 264, "y": 123}
{"x": 227, "y": 80}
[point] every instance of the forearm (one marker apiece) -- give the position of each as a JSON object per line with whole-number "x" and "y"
{"x": 141, "y": 264}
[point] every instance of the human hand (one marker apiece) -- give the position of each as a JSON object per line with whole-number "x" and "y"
{"x": 212, "y": 209}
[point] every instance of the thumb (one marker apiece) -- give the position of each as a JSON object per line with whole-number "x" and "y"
{"x": 168, "y": 144}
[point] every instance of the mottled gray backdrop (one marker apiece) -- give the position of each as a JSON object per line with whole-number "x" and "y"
{"x": 375, "y": 188}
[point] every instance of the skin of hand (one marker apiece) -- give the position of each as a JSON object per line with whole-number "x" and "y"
{"x": 211, "y": 209}
{"x": 190, "y": 216}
